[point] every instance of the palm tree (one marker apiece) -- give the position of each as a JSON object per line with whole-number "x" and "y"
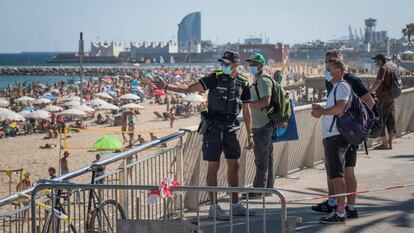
{"x": 409, "y": 32}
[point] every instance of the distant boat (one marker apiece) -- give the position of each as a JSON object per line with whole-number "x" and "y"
{"x": 161, "y": 60}
{"x": 172, "y": 61}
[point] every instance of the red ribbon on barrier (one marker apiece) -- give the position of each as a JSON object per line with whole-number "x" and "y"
{"x": 164, "y": 191}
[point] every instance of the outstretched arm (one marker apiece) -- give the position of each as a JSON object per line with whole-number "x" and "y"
{"x": 195, "y": 87}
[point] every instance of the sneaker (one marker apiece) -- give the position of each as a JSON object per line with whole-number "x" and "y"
{"x": 351, "y": 213}
{"x": 323, "y": 207}
{"x": 220, "y": 214}
{"x": 333, "y": 218}
{"x": 240, "y": 210}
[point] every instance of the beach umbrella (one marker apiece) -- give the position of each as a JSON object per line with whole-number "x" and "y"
{"x": 42, "y": 101}
{"x": 71, "y": 103}
{"x": 96, "y": 102}
{"x": 108, "y": 143}
{"x": 38, "y": 114}
{"x": 132, "y": 106}
{"x": 73, "y": 98}
{"x": 49, "y": 96}
{"x": 55, "y": 91}
{"x": 84, "y": 108}
{"x": 181, "y": 95}
{"x": 130, "y": 97}
{"x": 4, "y": 103}
{"x": 107, "y": 80}
{"x": 52, "y": 108}
{"x": 25, "y": 99}
{"x": 194, "y": 98}
{"x": 7, "y": 114}
{"x": 107, "y": 106}
{"x": 24, "y": 113}
{"x": 103, "y": 95}
{"x": 72, "y": 112}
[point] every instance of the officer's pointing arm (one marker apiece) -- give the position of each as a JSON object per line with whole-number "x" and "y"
{"x": 195, "y": 87}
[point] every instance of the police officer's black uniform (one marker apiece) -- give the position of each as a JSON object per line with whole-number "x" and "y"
{"x": 225, "y": 98}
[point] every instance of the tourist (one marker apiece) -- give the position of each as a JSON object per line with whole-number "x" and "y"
{"x": 381, "y": 88}
{"x": 335, "y": 145}
{"x": 101, "y": 172}
{"x": 262, "y": 128}
{"x": 52, "y": 173}
{"x": 351, "y": 155}
{"x": 64, "y": 167}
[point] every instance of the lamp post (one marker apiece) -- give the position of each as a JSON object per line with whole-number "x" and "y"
{"x": 81, "y": 66}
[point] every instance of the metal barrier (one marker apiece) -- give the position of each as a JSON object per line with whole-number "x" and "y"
{"x": 147, "y": 170}
{"x": 75, "y": 207}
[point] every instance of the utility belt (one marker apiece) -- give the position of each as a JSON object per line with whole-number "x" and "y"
{"x": 208, "y": 123}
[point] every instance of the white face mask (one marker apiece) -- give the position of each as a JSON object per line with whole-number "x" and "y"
{"x": 327, "y": 75}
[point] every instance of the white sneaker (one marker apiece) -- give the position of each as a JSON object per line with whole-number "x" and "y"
{"x": 220, "y": 214}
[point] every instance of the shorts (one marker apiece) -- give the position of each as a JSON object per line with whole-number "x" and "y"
{"x": 216, "y": 141}
{"x": 351, "y": 156}
{"x": 388, "y": 117}
{"x": 335, "y": 150}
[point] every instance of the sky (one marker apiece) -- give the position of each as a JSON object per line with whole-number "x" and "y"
{"x": 54, "y": 25}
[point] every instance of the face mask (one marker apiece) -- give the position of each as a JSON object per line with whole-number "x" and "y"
{"x": 327, "y": 75}
{"x": 253, "y": 70}
{"x": 281, "y": 131}
{"x": 226, "y": 69}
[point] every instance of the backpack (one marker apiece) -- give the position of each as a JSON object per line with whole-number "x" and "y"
{"x": 356, "y": 123}
{"x": 396, "y": 83}
{"x": 279, "y": 109}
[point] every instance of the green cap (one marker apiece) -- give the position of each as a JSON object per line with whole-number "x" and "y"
{"x": 257, "y": 57}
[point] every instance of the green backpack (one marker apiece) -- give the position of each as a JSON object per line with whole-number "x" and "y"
{"x": 279, "y": 110}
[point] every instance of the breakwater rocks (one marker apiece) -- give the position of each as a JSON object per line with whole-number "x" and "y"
{"x": 69, "y": 70}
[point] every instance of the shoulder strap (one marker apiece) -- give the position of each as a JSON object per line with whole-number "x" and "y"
{"x": 257, "y": 89}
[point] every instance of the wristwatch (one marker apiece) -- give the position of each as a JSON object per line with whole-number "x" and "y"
{"x": 166, "y": 87}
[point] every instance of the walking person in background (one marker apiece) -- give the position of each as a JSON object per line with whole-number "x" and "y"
{"x": 385, "y": 100}
{"x": 335, "y": 145}
{"x": 64, "y": 167}
{"x": 351, "y": 154}
{"x": 262, "y": 128}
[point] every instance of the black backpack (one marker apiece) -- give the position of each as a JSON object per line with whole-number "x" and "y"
{"x": 355, "y": 124}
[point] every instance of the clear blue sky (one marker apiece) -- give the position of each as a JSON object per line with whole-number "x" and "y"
{"x": 54, "y": 25}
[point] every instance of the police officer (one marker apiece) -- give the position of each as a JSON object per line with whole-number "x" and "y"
{"x": 229, "y": 94}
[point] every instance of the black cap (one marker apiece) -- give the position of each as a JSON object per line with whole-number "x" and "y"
{"x": 379, "y": 57}
{"x": 230, "y": 57}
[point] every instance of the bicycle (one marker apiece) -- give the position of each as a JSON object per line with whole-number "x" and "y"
{"x": 97, "y": 216}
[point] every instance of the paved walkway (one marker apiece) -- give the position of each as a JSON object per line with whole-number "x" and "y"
{"x": 384, "y": 211}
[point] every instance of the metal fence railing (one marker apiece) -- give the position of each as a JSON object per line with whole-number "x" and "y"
{"x": 134, "y": 169}
{"x": 270, "y": 211}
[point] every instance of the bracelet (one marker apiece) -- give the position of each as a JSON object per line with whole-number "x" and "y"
{"x": 250, "y": 135}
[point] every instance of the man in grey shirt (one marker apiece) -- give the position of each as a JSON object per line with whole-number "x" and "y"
{"x": 261, "y": 91}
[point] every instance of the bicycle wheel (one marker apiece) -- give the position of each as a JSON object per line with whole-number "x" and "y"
{"x": 104, "y": 217}
{"x": 53, "y": 224}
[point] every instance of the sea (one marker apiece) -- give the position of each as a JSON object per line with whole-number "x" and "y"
{"x": 40, "y": 59}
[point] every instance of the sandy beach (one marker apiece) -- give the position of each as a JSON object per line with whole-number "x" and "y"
{"x": 24, "y": 152}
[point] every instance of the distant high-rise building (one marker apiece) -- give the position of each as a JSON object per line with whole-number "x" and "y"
{"x": 189, "y": 32}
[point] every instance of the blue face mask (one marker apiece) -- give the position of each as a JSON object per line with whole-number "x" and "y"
{"x": 226, "y": 69}
{"x": 327, "y": 75}
{"x": 281, "y": 131}
{"x": 253, "y": 70}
